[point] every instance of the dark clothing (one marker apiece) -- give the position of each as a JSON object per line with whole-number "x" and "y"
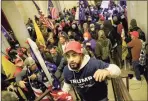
{"x": 136, "y": 68}
{"x": 92, "y": 46}
{"x": 94, "y": 34}
{"x": 125, "y": 25}
{"x": 60, "y": 62}
{"x": 134, "y": 29}
{"x": 87, "y": 87}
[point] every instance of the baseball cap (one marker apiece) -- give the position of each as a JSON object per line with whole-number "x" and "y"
{"x": 73, "y": 46}
{"x": 135, "y": 34}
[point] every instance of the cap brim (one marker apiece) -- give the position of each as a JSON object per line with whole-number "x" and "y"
{"x": 79, "y": 52}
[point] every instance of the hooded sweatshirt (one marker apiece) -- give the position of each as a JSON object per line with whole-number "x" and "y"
{"x": 102, "y": 42}
{"x": 87, "y": 87}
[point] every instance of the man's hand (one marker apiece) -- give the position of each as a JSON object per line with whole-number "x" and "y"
{"x": 22, "y": 84}
{"x": 33, "y": 76}
{"x": 101, "y": 74}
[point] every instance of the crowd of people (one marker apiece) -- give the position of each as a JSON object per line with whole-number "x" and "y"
{"x": 88, "y": 46}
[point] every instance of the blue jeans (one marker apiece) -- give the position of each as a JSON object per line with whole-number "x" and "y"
{"x": 136, "y": 68}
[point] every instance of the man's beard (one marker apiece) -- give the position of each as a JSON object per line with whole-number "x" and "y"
{"x": 74, "y": 66}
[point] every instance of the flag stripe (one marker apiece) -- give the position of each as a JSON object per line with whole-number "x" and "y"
{"x": 54, "y": 13}
{"x": 38, "y": 93}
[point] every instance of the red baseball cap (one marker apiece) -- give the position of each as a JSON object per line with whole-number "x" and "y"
{"x": 135, "y": 34}
{"x": 73, "y": 46}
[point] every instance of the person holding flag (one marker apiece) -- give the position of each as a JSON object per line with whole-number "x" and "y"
{"x": 52, "y": 10}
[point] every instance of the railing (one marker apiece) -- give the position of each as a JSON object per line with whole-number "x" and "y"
{"x": 120, "y": 91}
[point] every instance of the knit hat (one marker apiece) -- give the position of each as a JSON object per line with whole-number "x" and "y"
{"x": 29, "y": 61}
{"x": 92, "y": 25}
{"x": 133, "y": 23}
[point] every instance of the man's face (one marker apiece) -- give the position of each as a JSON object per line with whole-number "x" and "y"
{"x": 62, "y": 40}
{"x": 20, "y": 63}
{"x": 74, "y": 59}
{"x": 53, "y": 50}
{"x": 51, "y": 40}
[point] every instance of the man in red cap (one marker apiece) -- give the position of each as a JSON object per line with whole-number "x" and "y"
{"x": 136, "y": 46}
{"x": 87, "y": 74}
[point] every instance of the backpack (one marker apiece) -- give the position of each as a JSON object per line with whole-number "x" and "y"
{"x": 105, "y": 51}
{"x": 141, "y": 35}
{"x": 142, "y": 59}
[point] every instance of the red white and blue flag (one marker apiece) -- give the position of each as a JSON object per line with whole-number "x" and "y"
{"x": 48, "y": 23}
{"x": 52, "y": 10}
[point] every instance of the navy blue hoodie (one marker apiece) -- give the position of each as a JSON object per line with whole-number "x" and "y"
{"x": 83, "y": 81}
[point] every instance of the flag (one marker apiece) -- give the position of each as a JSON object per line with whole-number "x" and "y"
{"x": 50, "y": 4}
{"x": 8, "y": 67}
{"x": 82, "y": 6}
{"x": 39, "y": 35}
{"x": 43, "y": 19}
{"x": 48, "y": 23}
{"x": 85, "y": 3}
{"x": 52, "y": 10}
{"x": 124, "y": 50}
{"x": 54, "y": 13}
{"x": 38, "y": 93}
{"x": 6, "y": 34}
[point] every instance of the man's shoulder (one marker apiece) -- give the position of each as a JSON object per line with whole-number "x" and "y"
{"x": 96, "y": 63}
{"x": 66, "y": 70}
{"x": 93, "y": 61}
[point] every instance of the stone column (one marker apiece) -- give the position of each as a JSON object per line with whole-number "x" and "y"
{"x": 4, "y": 44}
{"x": 16, "y": 22}
{"x": 138, "y": 10}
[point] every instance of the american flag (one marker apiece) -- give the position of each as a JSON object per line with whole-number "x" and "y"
{"x": 48, "y": 23}
{"x": 52, "y": 10}
{"x": 50, "y": 4}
